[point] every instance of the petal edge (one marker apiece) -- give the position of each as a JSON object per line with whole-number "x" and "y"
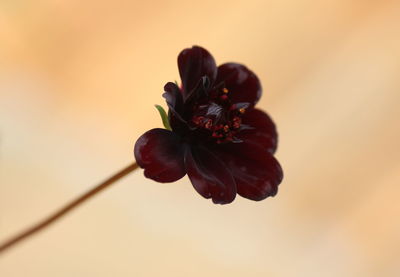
{"x": 209, "y": 176}
{"x": 256, "y": 172}
{"x": 161, "y": 154}
{"x": 262, "y": 132}
{"x": 242, "y": 83}
{"x": 194, "y": 63}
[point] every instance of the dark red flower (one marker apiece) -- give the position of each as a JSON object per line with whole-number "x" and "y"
{"x": 217, "y": 136}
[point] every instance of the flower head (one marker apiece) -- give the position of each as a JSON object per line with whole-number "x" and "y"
{"x": 217, "y": 136}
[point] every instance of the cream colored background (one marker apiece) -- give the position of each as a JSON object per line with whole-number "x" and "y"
{"x": 78, "y": 81}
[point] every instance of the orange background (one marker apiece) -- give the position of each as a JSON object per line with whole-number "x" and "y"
{"x": 78, "y": 81}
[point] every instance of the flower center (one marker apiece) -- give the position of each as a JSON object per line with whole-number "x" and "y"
{"x": 219, "y": 119}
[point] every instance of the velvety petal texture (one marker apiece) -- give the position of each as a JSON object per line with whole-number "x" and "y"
{"x": 219, "y": 139}
{"x": 195, "y": 63}
{"x": 161, "y": 154}
{"x": 262, "y": 131}
{"x": 209, "y": 176}
{"x": 173, "y": 97}
{"x": 242, "y": 84}
{"x": 256, "y": 172}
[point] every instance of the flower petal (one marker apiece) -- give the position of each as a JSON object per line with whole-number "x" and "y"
{"x": 242, "y": 84}
{"x": 199, "y": 91}
{"x": 161, "y": 154}
{"x": 209, "y": 176}
{"x": 256, "y": 172}
{"x": 174, "y": 99}
{"x": 262, "y": 131}
{"x": 173, "y": 96}
{"x": 193, "y": 64}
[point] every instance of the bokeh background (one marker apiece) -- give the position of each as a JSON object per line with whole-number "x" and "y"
{"x": 78, "y": 81}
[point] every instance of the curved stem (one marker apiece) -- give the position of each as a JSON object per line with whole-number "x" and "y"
{"x": 64, "y": 210}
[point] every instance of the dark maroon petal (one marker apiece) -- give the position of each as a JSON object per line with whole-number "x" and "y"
{"x": 198, "y": 92}
{"x": 209, "y": 176}
{"x": 256, "y": 172}
{"x": 242, "y": 84}
{"x": 173, "y": 96}
{"x": 174, "y": 99}
{"x": 161, "y": 154}
{"x": 262, "y": 130}
{"x": 193, "y": 64}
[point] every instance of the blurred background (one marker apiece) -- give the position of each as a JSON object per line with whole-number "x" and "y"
{"x": 78, "y": 81}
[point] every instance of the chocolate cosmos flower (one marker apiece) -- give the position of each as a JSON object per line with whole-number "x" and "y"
{"x": 217, "y": 136}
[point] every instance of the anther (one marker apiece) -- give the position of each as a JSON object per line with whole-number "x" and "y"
{"x": 198, "y": 120}
{"x": 225, "y": 90}
{"x": 242, "y": 110}
{"x": 216, "y": 135}
{"x": 208, "y": 124}
{"x": 224, "y": 97}
{"x": 236, "y": 122}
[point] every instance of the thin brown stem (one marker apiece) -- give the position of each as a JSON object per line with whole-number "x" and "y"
{"x": 64, "y": 210}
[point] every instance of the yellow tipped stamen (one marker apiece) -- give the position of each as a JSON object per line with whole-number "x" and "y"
{"x": 225, "y": 90}
{"x": 242, "y": 110}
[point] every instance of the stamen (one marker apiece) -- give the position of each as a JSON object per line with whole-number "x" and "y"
{"x": 224, "y": 97}
{"x": 198, "y": 120}
{"x": 216, "y": 135}
{"x": 225, "y": 90}
{"x": 208, "y": 124}
{"x": 221, "y": 120}
{"x": 237, "y": 121}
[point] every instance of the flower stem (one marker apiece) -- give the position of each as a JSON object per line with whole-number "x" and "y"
{"x": 65, "y": 209}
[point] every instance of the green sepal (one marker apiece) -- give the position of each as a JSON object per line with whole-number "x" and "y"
{"x": 164, "y": 117}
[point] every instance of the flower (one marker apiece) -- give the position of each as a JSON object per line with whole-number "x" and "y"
{"x": 218, "y": 138}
